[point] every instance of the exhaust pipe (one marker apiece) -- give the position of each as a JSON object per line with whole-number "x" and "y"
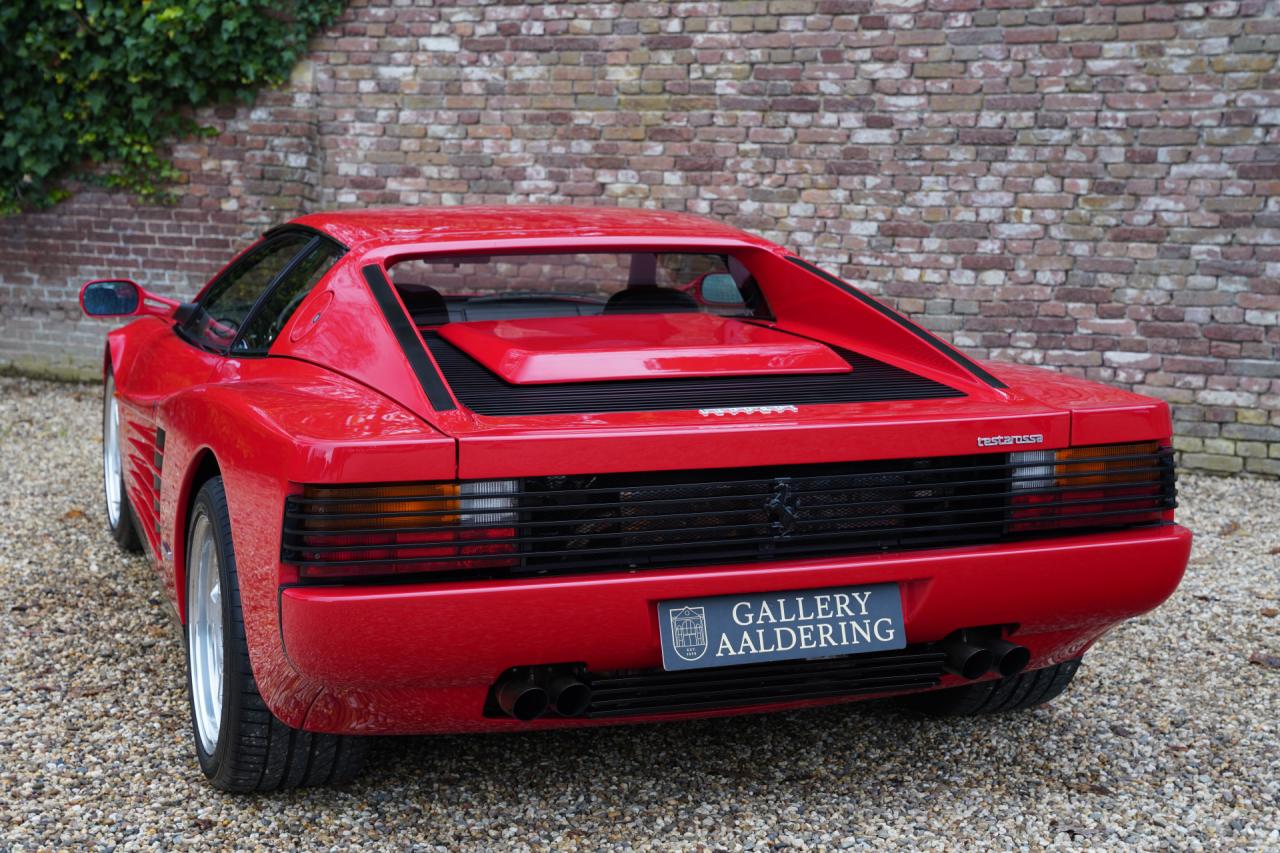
{"x": 1008, "y": 658}
{"x": 569, "y": 696}
{"x": 522, "y": 697}
{"x": 965, "y": 659}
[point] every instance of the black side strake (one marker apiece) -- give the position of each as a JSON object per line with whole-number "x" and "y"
{"x": 432, "y": 384}
{"x": 921, "y": 333}
{"x": 486, "y": 393}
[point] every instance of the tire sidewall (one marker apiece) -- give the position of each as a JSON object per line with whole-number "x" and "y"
{"x": 122, "y": 517}
{"x": 214, "y": 764}
{"x": 125, "y": 532}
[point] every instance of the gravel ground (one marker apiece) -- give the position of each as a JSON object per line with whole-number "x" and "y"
{"x": 1169, "y": 738}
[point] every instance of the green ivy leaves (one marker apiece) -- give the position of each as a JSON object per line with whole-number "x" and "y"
{"x": 94, "y": 89}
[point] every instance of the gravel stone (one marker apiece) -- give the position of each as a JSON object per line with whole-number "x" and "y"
{"x": 1167, "y": 739}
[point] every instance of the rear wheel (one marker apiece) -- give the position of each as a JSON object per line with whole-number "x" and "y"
{"x": 120, "y": 518}
{"x": 1015, "y": 693}
{"x": 242, "y": 747}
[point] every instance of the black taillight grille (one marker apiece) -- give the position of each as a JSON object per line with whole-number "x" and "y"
{"x": 562, "y": 524}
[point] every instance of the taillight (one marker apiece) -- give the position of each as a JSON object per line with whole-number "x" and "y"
{"x": 1096, "y": 486}
{"x": 363, "y": 531}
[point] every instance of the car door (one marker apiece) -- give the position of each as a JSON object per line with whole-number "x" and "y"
{"x": 246, "y": 357}
{"x": 174, "y": 357}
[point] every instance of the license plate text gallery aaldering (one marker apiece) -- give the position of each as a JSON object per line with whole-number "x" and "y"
{"x": 737, "y": 629}
{"x": 820, "y": 622}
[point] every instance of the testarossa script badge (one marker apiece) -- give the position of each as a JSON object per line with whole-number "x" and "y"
{"x": 1002, "y": 440}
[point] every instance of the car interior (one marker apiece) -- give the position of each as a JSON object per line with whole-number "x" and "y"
{"x": 440, "y": 290}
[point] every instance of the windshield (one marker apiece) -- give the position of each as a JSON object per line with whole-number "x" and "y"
{"x": 443, "y": 289}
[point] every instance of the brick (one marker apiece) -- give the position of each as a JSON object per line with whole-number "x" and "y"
{"x": 930, "y": 70}
{"x": 987, "y": 262}
{"x": 1220, "y": 463}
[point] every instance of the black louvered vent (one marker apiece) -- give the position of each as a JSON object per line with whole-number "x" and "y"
{"x": 638, "y": 692}
{"x": 620, "y": 694}
{"x": 485, "y": 393}
{"x": 606, "y": 522}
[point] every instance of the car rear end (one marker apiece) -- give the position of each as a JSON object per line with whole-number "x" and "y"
{"x": 619, "y": 547}
{"x": 532, "y": 579}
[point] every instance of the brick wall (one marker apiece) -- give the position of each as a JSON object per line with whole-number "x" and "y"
{"x": 1092, "y": 186}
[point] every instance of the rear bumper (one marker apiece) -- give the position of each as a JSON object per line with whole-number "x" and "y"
{"x": 421, "y": 658}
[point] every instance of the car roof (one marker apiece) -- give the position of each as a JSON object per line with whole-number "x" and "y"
{"x": 396, "y": 225}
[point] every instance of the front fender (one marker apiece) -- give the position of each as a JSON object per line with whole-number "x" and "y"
{"x": 124, "y": 343}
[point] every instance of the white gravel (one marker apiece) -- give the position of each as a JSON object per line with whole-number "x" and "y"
{"x": 1169, "y": 738}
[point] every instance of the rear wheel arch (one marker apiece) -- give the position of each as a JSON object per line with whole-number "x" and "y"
{"x": 240, "y": 744}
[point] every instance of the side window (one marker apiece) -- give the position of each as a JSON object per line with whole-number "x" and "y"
{"x": 231, "y": 298}
{"x": 261, "y": 330}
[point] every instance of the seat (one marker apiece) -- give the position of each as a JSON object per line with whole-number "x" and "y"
{"x": 425, "y": 305}
{"x": 649, "y": 299}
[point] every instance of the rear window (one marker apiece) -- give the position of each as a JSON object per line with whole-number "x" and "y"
{"x": 442, "y": 289}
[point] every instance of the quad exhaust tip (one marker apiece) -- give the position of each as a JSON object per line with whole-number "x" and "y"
{"x": 967, "y": 660}
{"x": 528, "y": 694}
{"x": 972, "y": 656}
{"x": 569, "y": 696}
{"x": 522, "y": 697}
{"x": 1008, "y": 658}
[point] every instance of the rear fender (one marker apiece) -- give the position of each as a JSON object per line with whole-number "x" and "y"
{"x": 283, "y": 423}
{"x": 1100, "y": 414}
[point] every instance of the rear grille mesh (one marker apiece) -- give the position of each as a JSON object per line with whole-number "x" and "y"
{"x": 636, "y": 693}
{"x": 870, "y": 380}
{"x": 566, "y": 524}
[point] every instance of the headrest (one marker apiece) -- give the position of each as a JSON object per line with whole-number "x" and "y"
{"x": 425, "y": 305}
{"x": 649, "y": 299}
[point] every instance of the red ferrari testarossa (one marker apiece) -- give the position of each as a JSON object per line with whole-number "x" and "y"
{"x": 495, "y": 469}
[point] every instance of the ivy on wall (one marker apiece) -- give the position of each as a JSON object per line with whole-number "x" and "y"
{"x": 94, "y": 89}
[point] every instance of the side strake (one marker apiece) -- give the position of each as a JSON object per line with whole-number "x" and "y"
{"x": 432, "y": 384}
{"x": 934, "y": 341}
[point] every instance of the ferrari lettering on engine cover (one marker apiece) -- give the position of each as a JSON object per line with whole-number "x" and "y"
{"x": 747, "y": 410}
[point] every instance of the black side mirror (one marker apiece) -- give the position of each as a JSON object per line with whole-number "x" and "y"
{"x": 110, "y": 298}
{"x": 119, "y": 297}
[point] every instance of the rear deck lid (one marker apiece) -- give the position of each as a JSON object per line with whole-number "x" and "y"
{"x": 637, "y": 346}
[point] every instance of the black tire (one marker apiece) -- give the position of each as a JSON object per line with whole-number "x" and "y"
{"x": 125, "y": 530}
{"x": 255, "y": 751}
{"x": 1015, "y": 693}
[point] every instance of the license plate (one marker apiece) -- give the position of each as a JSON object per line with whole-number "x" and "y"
{"x": 814, "y": 623}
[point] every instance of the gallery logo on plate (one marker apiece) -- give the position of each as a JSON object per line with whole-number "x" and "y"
{"x": 689, "y": 632}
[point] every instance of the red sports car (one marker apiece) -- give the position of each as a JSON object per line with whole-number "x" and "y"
{"x": 498, "y": 469}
